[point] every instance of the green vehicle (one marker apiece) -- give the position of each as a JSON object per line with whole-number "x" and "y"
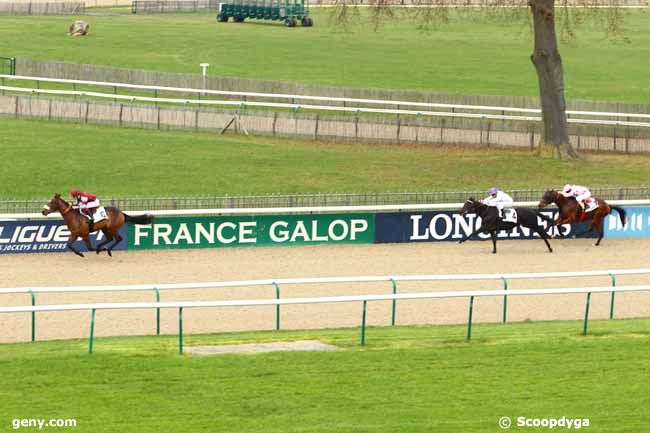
{"x": 289, "y": 11}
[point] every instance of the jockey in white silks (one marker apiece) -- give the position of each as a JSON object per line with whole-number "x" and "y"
{"x": 580, "y": 193}
{"x": 498, "y": 199}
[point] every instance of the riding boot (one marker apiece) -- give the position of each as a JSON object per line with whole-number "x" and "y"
{"x": 91, "y": 222}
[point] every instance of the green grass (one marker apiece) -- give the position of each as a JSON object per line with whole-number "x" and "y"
{"x": 44, "y": 157}
{"x": 471, "y": 55}
{"x": 406, "y": 379}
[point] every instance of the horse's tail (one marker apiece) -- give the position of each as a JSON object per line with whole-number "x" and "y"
{"x": 140, "y": 219}
{"x": 621, "y": 214}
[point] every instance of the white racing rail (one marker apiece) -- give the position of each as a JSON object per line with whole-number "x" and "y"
{"x": 308, "y": 210}
{"x": 326, "y": 280}
{"x": 180, "y": 305}
{"x": 321, "y": 300}
{"x": 276, "y": 283}
{"x": 295, "y": 106}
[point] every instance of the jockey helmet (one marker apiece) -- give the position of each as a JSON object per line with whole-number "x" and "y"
{"x": 567, "y": 189}
{"x": 75, "y": 192}
{"x": 493, "y": 190}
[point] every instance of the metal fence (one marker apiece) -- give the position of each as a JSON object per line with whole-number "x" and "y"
{"x": 128, "y": 92}
{"x": 163, "y": 6}
{"x": 364, "y": 299}
{"x": 459, "y": 130}
{"x": 478, "y": 132}
{"x": 310, "y": 200}
{"x": 37, "y": 8}
{"x": 39, "y": 68}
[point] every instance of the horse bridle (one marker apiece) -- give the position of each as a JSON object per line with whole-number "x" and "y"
{"x": 65, "y": 211}
{"x": 473, "y": 202}
{"x": 546, "y": 203}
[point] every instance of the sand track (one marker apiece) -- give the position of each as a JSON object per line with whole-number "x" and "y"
{"x": 175, "y": 266}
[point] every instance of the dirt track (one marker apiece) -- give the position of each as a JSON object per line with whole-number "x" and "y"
{"x": 61, "y": 269}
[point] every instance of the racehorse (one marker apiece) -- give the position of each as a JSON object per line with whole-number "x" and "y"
{"x": 571, "y": 212}
{"x": 80, "y": 226}
{"x": 491, "y": 223}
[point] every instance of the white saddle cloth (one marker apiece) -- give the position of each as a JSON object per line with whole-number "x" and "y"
{"x": 592, "y": 205}
{"x": 100, "y": 214}
{"x": 510, "y": 215}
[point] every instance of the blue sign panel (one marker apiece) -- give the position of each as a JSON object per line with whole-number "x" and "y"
{"x": 451, "y": 226}
{"x": 44, "y": 237}
{"x": 636, "y": 226}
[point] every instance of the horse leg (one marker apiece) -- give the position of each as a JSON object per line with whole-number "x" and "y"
{"x": 493, "y": 235}
{"x": 86, "y": 239}
{"x": 544, "y": 237}
{"x": 560, "y": 222}
{"x": 108, "y": 239}
{"x": 599, "y": 229}
{"x": 590, "y": 228}
{"x": 118, "y": 239}
{"x": 70, "y": 247}
{"x": 478, "y": 230}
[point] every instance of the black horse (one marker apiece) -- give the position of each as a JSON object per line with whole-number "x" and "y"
{"x": 491, "y": 223}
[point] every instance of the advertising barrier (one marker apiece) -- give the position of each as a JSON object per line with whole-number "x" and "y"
{"x": 637, "y": 226}
{"x": 306, "y": 229}
{"x": 43, "y": 236}
{"x": 248, "y": 231}
{"x": 451, "y": 226}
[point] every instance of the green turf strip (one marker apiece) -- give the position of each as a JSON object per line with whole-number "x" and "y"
{"x": 406, "y": 379}
{"x": 41, "y": 158}
{"x": 471, "y": 55}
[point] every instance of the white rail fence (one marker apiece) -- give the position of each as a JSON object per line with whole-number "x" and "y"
{"x": 485, "y": 111}
{"x": 278, "y": 301}
{"x": 308, "y": 210}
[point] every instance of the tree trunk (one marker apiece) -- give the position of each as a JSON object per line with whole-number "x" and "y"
{"x": 550, "y": 74}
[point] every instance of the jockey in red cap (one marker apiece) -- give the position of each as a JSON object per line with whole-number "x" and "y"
{"x": 86, "y": 202}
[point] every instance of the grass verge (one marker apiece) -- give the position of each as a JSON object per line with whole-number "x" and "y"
{"x": 473, "y": 54}
{"x": 406, "y": 379}
{"x": 43, "y": 157}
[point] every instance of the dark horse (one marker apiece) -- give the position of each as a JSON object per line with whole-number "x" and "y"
{"x": 80, "y": 226}
{"x": 491, "y": 223}
{"x": 571, "y": 212}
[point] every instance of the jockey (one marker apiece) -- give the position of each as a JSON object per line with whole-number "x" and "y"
{"x": 86, "y": 202}
{"x": 580, "y": 193}
{"x": 498, "y": 199}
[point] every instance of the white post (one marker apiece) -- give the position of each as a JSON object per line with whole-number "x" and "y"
{"x": 204, "y": 71}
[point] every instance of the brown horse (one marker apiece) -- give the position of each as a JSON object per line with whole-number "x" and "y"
{"x": 80, "y": 226}
{"x": 571, "y": 212}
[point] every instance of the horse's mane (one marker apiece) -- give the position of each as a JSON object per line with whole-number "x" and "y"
{"x": 58, "y": 197}
{"x": 476, "y": 202}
